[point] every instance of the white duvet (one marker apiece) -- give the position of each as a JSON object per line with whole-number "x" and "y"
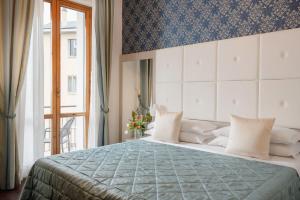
{"x": 284, "y": 161}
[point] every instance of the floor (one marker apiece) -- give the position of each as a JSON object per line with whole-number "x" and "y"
{"x": 11, "y": 195}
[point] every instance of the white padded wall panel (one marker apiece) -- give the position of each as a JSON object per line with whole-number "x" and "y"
{"x": 236, "y": 97}
{"x": 238, "y": 58}
{"x": 281, "y": 99}
{"x": 200, "y": 62}
{"x": 239, "y": 65}
{"x": 169, "y": 64}
{"x": 280, "y": 55}
{"x": 199, "y": 100}
{"x": 169, "y": 96}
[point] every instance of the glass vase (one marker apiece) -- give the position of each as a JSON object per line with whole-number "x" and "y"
{"x": 138, "y": 133}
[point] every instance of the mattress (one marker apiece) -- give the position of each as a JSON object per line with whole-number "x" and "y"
{"x": 150, "y": 170}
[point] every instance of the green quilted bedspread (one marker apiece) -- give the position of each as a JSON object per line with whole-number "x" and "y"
{"x": 148, "y": 170}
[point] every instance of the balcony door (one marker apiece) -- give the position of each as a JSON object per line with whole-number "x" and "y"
{"x": 67, "y": 61}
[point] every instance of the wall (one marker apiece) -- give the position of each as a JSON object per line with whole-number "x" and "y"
{"x": 84, "y": 2}
{"x": 255, "y": 76}
{"x": 149, "y": 25}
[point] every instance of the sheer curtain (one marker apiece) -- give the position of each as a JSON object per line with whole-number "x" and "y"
{"x": 15, "y": 30}
{"x": 95, "y": 99}
{"x": 30, "y": 111}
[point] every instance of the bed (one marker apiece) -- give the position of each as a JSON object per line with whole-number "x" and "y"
{"x": 252, "y": 76}
{"x": 147, "y": 169}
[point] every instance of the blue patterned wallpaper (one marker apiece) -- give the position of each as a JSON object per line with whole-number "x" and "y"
{"x": 156, "y": 24}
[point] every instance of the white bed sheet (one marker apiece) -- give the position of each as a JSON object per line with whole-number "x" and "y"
{"x": 283, "y": 161}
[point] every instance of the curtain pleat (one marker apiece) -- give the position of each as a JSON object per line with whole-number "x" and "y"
{"x": 15, "y": 27}
{"x": 103, "y": 35}
{"x": 30, "y": 109}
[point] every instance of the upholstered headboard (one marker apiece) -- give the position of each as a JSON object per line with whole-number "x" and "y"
{"x": 253, "y": 76}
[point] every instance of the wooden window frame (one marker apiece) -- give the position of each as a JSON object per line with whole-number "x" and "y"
{"x": 56, "y": 111}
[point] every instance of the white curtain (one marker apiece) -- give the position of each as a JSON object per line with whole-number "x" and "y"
{"x": 30, "y": 117}
{"x": 95, "y": 97}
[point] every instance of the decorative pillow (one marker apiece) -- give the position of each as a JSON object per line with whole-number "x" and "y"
{"x": 279, "y": 135}
{"x": 196, "y": 126}
{"x": 284, "y": 150}
{"x": 194, "y": 137}
{"x": 221, "y": 141}
{"x": 250, "y": 137}
{"x": 167, "y": 126}
{"x": 222, "y": 131}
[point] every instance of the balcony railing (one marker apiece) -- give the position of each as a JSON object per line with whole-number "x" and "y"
{"x": 71, "y": 134}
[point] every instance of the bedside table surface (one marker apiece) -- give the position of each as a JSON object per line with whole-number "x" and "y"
{"x": 132, "y": 138}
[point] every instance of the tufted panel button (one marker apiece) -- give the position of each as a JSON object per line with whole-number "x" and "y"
{"x": 284, "y": 55}
{"x": 234, "y": 102}
{"x": 167, "y": 100}
{"x": 197, "y": 101}
{"x": 283, "y": 104}
{"x": 167, "y": 66}
{"x": 199, "y": 62}
{"x": 236, "y": 59}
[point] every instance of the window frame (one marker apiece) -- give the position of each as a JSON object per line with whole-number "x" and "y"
{"x": 56, "y": 114}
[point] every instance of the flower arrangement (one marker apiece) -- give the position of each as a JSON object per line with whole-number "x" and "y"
{"x": 139, "y": 122}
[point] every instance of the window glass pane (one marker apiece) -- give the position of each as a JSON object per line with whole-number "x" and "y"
{"x": 73, "y": 61}
{"x": 72, "y": 84}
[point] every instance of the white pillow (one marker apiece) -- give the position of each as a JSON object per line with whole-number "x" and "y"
{"x": 222, "y": 131}
{"x": 284, "y": 150}
{"x": 279, "y": 135}
{"x": 220, "y": 141}
{"x": 194, "y": 137}
{"x": 167, "y": 126}
{"x": 196, "y": 126}
{"x": 283, "y": 135}
{"x": 250, "y": 137}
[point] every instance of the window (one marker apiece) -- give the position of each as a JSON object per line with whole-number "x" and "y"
{"x": 67, "y": 29}
{"x": 72, "y": 47}
{"x": 72, "y": 84}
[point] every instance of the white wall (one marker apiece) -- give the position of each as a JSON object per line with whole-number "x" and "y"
{"x": 252, "y": 76}
{"x": 84, "y": 2}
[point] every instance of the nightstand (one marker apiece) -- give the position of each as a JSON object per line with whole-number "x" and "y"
{"x": 132, "y": 139}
